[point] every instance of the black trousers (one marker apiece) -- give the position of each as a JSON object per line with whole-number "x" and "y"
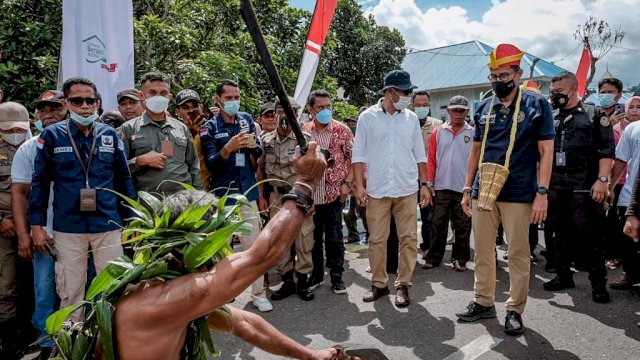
{"x": 425, "y": 228}
{"x": 328, "y": 235}
{"x": 393, "y": 244}
{"x": 630, "y": 249}
{"x": 578, "y": 223}
{"x": 614, "y": 238}
{"x": 447, "y": 205}
{"x": 533, "y": 236}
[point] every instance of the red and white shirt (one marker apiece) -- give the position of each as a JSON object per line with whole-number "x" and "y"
{"x": 448, "y": 156}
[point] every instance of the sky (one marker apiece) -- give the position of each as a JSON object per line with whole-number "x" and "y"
{"x": 544, "y": 28}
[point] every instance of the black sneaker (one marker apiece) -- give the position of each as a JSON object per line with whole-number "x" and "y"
{"x": 558, "y": 284}
{"x": 287, "y": 289}
{"x": 316, "y": 281}
{"x": 513, "y": 323}
{"x": 476, "y": 311}
{"x": 339, "y": 287}
{"x": 600, "y": 295}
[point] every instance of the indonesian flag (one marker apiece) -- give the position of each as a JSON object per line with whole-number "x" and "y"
{"x": 583, "y": 69}
{"x": 320, "y": 22}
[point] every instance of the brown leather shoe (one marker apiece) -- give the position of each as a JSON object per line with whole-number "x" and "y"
{"x": 402, "y": 296}
{"x": 625, "y": 282}
{"x": 375, "y": 294}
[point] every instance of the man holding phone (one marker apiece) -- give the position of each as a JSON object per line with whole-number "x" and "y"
{"x": 189, "y": 109}
{"x": 159, "y": 148}
{"x": 231, "y": 155}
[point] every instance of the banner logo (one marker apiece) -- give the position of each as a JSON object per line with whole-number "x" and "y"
{"x": 96, "y": 51}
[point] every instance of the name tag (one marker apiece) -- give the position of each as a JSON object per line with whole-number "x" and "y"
{"x": 106, "y": 149}
{"x": 221, "y": 135}
{"x": 240, "y": 159}
{"x": 62, "y": 149}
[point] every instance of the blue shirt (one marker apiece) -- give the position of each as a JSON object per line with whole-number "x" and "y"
{"x": 535, "y": 123}
{"x": 56, "y": 161}
{"x": 235, "y": 174}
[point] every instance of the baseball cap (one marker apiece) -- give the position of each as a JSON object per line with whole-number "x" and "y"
{"x": 398, "y": 79}
{"x": 266, "y": 107}
{"x": 187, "y": 95}
{"x": 458, "y": 102}
{"x": 13, "y": 115}
{"x": 132, "y": 94}
{"x": 352, "y": 118}
{"x": 48, "y": 97}
{"x": 292, "y": 101}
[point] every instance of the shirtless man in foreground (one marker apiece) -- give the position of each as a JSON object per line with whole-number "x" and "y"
{"x": 151, "y": 321}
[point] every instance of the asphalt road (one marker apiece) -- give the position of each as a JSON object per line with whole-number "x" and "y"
{"x": 563, "y": 325}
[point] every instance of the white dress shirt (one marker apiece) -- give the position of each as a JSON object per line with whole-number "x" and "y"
{"x": 391, "y": 146}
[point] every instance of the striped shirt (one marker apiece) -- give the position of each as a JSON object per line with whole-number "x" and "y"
{"x": 338, "y": 139}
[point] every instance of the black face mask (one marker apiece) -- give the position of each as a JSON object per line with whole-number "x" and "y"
{"x": 559, "y": 100}
{"x": 503, "y": 89}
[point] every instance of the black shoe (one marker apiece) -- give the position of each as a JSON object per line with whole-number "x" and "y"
{"x": 550, "y": 268}
{"x": 534, "y": 257}
{"x": 304, "y": 281}
{"x": 45, "y": 352}
{"x": 476, "y": 312}
{"x": 316, "y": 281}
{"x": 339, "y": 287}
{"x": 558, "y": 284}
{"x": 287, "y": 289}
{"x": 600, "y": 295}
{"x": 513, "y": 323}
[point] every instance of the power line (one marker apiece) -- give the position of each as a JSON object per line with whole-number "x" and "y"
{"x": 566, "y": 56}
{"x": 442, "y": 53}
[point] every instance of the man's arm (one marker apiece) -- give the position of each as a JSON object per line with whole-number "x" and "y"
{"x": 259, "y": 333}
{"x": 193, "y": 162}
{"x": 40, "y": 189}
{"x": 122, "y": 180}
{"x": 539, "y": 209}
{"x": 472, "y": 169}
{"x": 19, "y": 205}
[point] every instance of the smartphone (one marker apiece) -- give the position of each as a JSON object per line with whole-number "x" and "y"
{"x": 251, "y": 140}
{"x": 51, "y": 249}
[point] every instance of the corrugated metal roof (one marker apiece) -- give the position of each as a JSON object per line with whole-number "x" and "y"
{"x": 462, "y": 64}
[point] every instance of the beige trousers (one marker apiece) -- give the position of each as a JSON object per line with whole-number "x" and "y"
{"x": 303, "y": 243}
{"x": 71, "y": 267}
{"x": 252, "y": 217}
{"x": 515, "y": 220}
{"x": 379, "y": 213}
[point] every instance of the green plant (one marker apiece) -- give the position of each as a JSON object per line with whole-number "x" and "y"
{"x": 164, "y": 250}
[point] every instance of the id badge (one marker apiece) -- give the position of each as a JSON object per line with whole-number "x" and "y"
{"x": 166, "y": 147}
{"x": 88, "y": 200}
{"x": 240, "y": 159}
{"x": 561, "y": 160}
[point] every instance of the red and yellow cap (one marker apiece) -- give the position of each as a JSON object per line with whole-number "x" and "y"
{"x": 531, "y": 86}
{"x": 505, "y": 55}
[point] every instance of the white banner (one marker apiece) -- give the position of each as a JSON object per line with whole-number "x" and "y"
{"x": 97, "y": 43}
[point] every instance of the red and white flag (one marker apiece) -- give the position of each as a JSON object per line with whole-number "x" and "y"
{"x": 322, "y": 16}
{"x": 583, "y": 69}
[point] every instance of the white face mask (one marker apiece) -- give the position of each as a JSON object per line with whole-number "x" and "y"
{"x": 157, "y": 104}
{"x": 402, "y": 103}
{"x": 14, "y": 138}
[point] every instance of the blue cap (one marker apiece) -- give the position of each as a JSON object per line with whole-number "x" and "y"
{"x": 398, "y": 79}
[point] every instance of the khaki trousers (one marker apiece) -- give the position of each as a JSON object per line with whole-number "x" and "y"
{"x": 303, "y": 244}
{"x": 71, "y": 267}
{"x": 8, "y": 283}
{"x": 404, "y": 212}
{"x": 515, "y": 220}
{"x": 253, "y": 217}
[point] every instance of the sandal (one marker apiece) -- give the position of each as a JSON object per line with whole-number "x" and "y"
{"x": 458, "y": 266}
{"x": 429, "y": 264}
{"x": 613, "y": 263}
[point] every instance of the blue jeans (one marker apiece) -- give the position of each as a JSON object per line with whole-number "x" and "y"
{"x": 44, "y": 282}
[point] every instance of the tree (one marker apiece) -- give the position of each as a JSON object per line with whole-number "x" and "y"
{"x": 597, "y": 36}
{"x": 364, "y": 52}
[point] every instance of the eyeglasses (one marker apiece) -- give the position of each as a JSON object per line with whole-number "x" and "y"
{"x": 78, "y": 101}
{"x": 503, "y": 77}
{"x": 458, "y": 111}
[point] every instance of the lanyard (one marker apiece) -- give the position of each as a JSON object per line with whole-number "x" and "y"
{"x": 75, "y": 149}
{"x": 563, "y": 131}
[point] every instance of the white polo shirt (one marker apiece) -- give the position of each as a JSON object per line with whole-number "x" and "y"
{"x": 391, "y": 146}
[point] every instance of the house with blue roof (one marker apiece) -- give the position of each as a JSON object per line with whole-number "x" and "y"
{"x": 461, "y": 69}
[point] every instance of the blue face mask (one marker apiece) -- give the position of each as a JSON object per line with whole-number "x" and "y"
{"x": 39, "y": 125}
{"x": 324, "y": 117}
{"x": 84, "y": 121}
{"x": 422, "y": 112}
{"x": 606, "y": 100}
{"x": 231, "y": 107}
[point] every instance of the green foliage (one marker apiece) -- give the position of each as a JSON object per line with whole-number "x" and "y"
{"x": 199, "y": 42}
{"x": 163, "y": 250}
{"x": 342, "y": 110}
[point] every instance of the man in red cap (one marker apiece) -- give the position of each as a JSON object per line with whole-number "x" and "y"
{"x": 514, "y": 129}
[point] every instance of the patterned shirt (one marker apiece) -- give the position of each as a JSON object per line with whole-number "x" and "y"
{"x": 338, "y": 139}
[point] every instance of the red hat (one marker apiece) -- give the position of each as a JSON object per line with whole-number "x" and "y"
{"x": 531, "y": 86}
{"x": 505, "y": 55}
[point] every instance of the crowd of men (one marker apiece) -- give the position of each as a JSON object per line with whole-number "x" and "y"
{"x": 564, "y": 164}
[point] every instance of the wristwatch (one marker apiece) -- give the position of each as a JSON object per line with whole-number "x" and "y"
{"x": 604, "y": 179}
{"x": 542, "y": 190}
{"x": 428, "y": 184}
{"x": 466, "y": 189}
{"x": 349, "y": 184}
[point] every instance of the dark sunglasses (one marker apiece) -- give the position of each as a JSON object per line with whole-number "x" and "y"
{"x": 78, "y": 101}
{"x": 458, "y": 111}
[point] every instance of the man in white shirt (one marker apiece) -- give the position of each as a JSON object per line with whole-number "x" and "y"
{"x": 389, "y": 141}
